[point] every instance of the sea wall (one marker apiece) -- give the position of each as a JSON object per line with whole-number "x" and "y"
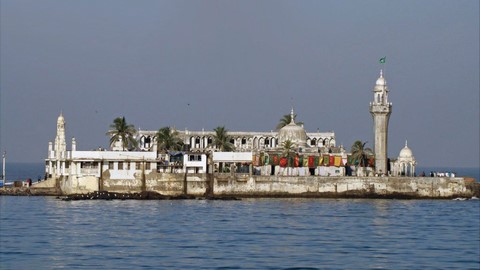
{"x": 314, "y": 186}
{"x": 276, "y": 186}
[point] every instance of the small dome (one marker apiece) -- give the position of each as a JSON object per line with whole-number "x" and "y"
{"x": 381, "y": 80}
{"x": 406, "y": 152}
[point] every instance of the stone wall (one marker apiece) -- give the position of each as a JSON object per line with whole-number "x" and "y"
{"x": 276, "y": 186}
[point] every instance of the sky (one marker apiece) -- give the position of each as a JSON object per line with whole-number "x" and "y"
{"x": 242, "y": 65}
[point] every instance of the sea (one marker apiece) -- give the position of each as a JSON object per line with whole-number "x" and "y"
{"x": 48, "y": 233}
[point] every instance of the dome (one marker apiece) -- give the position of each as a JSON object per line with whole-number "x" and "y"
{"x": 381, "y": 80}
{"x": 293, "y": 132}
{"x": 405, "y": 153}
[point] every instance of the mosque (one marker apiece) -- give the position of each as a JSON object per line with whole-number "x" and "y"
{"x": 315, "y": 153}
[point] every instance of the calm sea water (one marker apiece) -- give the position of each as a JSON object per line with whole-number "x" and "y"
{"x": 46, "y": 233}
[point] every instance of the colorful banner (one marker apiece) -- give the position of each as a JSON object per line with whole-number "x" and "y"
{"x": 311, "y": 162}
{"x": 338, "y": 161}
{"x": 331, "y": 161}
{"x": 283, "y": 162}
{"x": 276, "y": 160}
{"x": 326, "y": 160}
{"x": 296, "y": 162}
{"x": 305, "y": 162}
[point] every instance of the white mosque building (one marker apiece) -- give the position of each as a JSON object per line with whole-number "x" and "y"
{"x": 202, "y": 141}
{"x": 199, "y": 146}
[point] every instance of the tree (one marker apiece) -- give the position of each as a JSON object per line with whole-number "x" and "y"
{"x": 168, "y": 139}
{"x": 221, "y": 139}
{"x": 286, "y": 119}
{"x": 360, "y": 153}
{"x": 288, "y": 148}
{"x": 121, "y": 131}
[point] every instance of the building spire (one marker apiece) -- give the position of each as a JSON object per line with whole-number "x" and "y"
{"x": 292, "y": 117}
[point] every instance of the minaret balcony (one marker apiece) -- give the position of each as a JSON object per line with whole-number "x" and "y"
{"x": 380, "y": 108}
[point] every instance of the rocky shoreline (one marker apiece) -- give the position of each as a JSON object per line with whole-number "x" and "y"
{"x": 151, "y": 195}
{"x": 105, "y": 195}
{"x": 144, "y": 195}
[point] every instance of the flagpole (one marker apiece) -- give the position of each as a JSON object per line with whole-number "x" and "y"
{"x": 383, "y": 61}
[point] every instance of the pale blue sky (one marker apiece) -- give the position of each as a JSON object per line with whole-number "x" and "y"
{"x": 241, "y": 64}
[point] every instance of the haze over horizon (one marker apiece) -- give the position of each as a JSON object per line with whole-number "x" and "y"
{"x": 241, "y": 64}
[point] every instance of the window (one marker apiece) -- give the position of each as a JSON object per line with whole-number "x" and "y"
{"x": 244, "y": 141}
{"x": 194, "y": 157}
{"x": 110, "y": 165}
{"x": 147, "y": 166}
{"x": 138, "y": 166}
{"x": 120, "y": 165}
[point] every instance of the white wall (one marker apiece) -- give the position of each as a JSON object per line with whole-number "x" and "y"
{"x": 232, "y": 156}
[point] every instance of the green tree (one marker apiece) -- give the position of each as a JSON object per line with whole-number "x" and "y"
{"x": 286, "y": 119}
{"x": 221, "y": 139}
{"x": 121, "y": 131}
{"x": 360, "y": 153}
{"x": 168, "y": 139}
{"x": 288, "y": 148}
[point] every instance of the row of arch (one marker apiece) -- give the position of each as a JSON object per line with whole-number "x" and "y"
{"x": 240, "y": 142}
{"x": 404, "y": 168}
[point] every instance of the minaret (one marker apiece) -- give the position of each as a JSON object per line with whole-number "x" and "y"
{"x": 60, "y": 143}
{"x": 380, "y": 109}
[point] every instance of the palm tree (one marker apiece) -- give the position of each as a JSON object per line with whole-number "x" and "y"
{"x": 360, "y": 153}
{"x": 221, "y": 139}
{"x": 286, "y": 119}
{"x": 168, "y": 139}
{"x": 288, "y": 148}
{"x": 121, "y": 131}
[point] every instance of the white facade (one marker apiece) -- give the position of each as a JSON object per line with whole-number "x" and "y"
{"x": 202, "y": 141}
{"x": 119, "y": 164}
{"x": 405, "y": 163}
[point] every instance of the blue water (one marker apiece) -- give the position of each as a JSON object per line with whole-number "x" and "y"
{"x": 46, "y": 233}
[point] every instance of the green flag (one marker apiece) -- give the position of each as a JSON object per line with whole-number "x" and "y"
{"x": 382, "y": 60}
